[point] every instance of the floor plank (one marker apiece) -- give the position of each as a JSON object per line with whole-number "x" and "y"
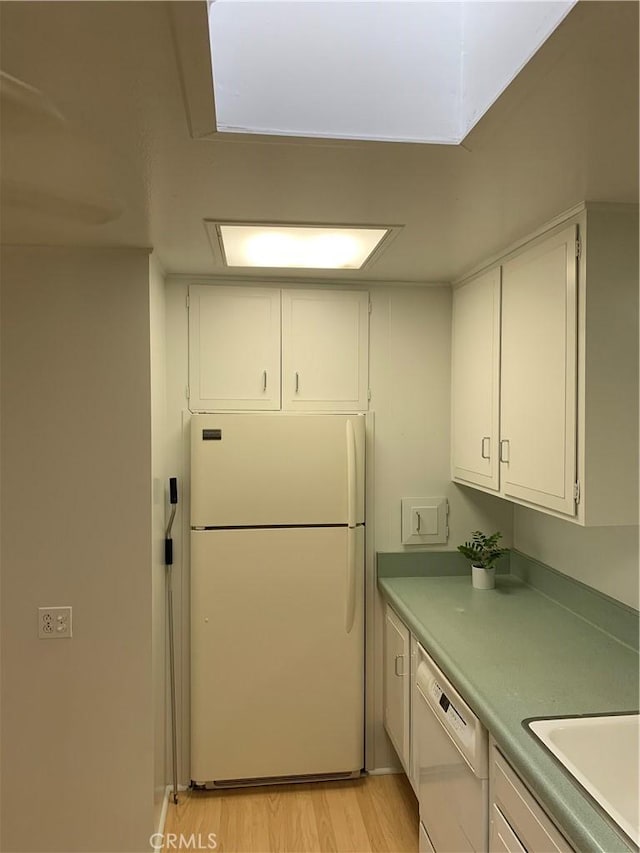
{"x": 346, "y": 817}
{"x": 376, "y": 814}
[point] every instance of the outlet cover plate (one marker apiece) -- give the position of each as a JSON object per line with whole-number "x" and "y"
{"x": 54, "y": 623}
{"x": 425, "y": 521}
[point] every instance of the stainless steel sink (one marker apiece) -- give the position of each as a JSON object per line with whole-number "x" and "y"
{"x": 603, "y": 755}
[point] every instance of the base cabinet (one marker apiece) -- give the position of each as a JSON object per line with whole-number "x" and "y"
{"x": 424, "y": 844}
{"x": 502, "y": 838}
{"x": 397, "y": 694}
{"x": 518, "y": 823}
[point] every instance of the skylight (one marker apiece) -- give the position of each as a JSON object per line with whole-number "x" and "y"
{"x": 414, "y": 71}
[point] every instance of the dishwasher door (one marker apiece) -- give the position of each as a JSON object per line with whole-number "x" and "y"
{"x": 452, "y": 765}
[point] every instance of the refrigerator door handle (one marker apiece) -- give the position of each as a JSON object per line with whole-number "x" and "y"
{"x": 352, "y": 490}
{"x": 352, "y": 497}
{"x": 351, "y": 579}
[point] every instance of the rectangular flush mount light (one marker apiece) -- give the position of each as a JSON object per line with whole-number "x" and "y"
{"x": 296, "y": 246}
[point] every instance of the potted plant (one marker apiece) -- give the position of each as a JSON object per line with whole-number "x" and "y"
{"x": 483, "y": 551}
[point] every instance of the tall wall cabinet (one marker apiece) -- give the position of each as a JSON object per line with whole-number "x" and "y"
{"x": 545, "y": 370}
{"x": 255, "y": 348}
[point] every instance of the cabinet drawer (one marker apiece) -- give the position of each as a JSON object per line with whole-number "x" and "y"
{"x": 502, "y": 838}
{"x": 527, "y": 819}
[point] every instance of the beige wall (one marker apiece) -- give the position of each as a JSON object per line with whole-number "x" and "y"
{"x": 159, "y": 504}
{"x": 410, "y": 377}
{"x": 605, "y": 558}
{"x": 77, "y": 733}
{"x": 177, "y": 354}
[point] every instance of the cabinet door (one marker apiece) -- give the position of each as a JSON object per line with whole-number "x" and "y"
{"x": 396, "y": 685}
{"x": 475, "y": 381}
{"x": 234, "y": 348}
{"x": 325, "y": 348}
{"x": 538, "y": 374}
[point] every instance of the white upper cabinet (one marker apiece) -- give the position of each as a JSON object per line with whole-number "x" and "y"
{"x": 538, "y": 396}
{"x": 568, "y": 375}
{"x": 475, "y": 381}
{"x": 238, "y": 334}
{"x": 325, "y": 348}
{"x": 234, "y": 348}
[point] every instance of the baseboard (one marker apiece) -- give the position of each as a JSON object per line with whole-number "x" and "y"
{"x": 158, "y": 837}
{"x": 385, "y": 771}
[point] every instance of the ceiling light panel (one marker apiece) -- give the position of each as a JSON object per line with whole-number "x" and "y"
{"x": 299, "y": 247}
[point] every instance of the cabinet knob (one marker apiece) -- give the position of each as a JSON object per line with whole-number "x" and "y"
{"x": 297, "y": 383}
{"x": 264, "y": 381}
{"x": 504, "y": 450}
{"x": 399, "y": 658}
{"x": 487, "y": 454}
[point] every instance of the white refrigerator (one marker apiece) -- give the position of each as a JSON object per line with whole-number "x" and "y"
{"x": 277, "y": 596}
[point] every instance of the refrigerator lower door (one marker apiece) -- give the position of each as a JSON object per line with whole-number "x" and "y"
{"x": 277, "y": 676}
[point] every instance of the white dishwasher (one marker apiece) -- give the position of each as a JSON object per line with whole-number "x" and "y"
{"x": 451, "y": 765}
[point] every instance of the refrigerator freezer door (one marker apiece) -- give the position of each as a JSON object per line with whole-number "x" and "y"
{"x": 275, "y": 469}
{"x": 276, "y": 676}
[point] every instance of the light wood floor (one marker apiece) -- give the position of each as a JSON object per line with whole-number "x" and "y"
{"x": 377, "y": 813}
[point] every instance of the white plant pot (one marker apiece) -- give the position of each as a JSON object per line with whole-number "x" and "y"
{"x": 483, "y": 578}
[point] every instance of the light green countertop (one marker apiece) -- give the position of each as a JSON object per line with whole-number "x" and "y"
{"x": 513, "y": 653}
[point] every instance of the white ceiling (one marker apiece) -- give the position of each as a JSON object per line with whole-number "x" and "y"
{"x": 133, "y": 82}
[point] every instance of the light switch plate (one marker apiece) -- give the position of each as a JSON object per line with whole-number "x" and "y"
{"x": 425, "y": 521}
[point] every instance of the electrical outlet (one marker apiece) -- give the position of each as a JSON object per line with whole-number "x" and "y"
{"x": 54, "y": 623}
